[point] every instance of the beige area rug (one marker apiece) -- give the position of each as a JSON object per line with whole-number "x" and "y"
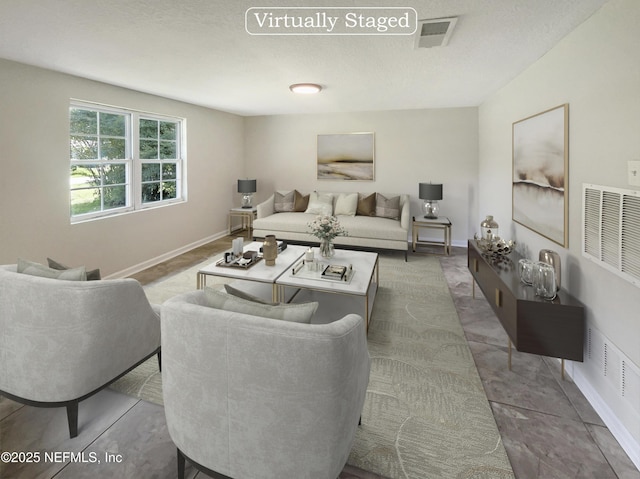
{"x": 426, "y": 414}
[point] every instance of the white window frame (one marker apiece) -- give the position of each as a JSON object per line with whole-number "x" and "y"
{"x": 134, "y": 162}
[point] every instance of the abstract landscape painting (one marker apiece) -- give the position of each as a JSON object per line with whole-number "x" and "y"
{"x": 346, "y": 157}
{"x": 540, "y": 169}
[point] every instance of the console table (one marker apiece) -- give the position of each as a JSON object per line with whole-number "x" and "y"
{"x": 534, "y": 325}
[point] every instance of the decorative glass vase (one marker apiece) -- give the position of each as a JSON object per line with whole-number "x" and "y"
{"x": 326, "y": 248}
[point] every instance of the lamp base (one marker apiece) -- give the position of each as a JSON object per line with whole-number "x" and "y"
{"x": 247, "y": 199}
{"x": 430, "y": 209}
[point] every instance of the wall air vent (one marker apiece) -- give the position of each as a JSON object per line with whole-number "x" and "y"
{"x": 611, "y": 230}
{"x": 434, "y": 33}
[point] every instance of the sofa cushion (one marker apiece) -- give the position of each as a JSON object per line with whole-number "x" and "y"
{"x": 92, "y": 275}
{"x": 346, "y": 204}
{"x": 320, "y": 204}
{"x": 388, "y": 207}
{"x": 366, "y": 205}
{"x": 283, "y": 202}
{"x": 300, "y": 202}
{"x": 297, "y": 313}
{"x": 37, "y": 269}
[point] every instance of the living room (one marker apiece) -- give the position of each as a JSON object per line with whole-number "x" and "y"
{"x": 467, "y": 148}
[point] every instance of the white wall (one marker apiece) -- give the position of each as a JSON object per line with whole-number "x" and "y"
{"x": 411, "y": 146}
{"x": 34, "y": 175}
{"x": 596, "y": 70}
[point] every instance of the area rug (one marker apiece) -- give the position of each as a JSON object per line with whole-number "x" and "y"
{"x": 426, "y": 414}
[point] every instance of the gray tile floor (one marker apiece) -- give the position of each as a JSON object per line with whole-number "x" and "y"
{"x": 548, "y": 428}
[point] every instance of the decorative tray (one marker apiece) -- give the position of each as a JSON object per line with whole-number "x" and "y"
{"x": 322, "y": 272}
{"x": 246, "y": 261}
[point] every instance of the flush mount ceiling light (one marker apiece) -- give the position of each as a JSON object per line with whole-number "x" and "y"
{"x": 305, "y": 88}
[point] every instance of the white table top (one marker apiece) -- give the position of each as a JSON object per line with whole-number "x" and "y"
{"x": 363, "y": 263}
{"x": 260, "y": 271}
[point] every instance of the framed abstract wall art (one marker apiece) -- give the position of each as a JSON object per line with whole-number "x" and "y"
{"x": 540, "y": 173}
{"x": 346, "y": 157}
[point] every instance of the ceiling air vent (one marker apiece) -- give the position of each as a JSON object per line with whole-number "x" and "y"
{"x": 435, "y": 33}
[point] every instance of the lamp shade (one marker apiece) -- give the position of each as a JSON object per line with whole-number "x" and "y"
{"x": 247, "y": 186}
{"x": 430, "y": 191}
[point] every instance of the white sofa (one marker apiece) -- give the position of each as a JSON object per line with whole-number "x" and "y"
{"x": 363, "y": 231}
{"x": 62, "y": 341}
{"x": 257, "y": 398}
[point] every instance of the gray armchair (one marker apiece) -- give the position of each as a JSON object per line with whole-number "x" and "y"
{"x": 62, "y": 341}
{"x": 248, "y": 397}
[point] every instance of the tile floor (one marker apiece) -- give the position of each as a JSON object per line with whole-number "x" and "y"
{"x": 548, "y": 428}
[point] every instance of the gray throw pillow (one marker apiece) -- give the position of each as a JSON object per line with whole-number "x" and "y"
{"x": 283, "y": 203}
{"x": 37, "y": 269}
{"x": 297, "y": 313}
{"x": 92, "y": 275}
{"x": 244, "y": 295}
{"x": 388, "y": 207}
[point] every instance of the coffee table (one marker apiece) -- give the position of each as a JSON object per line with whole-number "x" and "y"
{"x": 362, "y": 284}
{"x": 260, "y": 272}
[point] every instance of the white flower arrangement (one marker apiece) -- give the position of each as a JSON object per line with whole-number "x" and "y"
{"x": 326, "y": 227}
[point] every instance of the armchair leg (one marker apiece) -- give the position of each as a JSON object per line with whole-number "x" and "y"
{"x": 181, "y": 464}
{"x": 160, "y": 360}
{"x": 72, "y": 419}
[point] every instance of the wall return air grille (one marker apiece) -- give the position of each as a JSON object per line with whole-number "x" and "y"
{"x": 611, "y": 230}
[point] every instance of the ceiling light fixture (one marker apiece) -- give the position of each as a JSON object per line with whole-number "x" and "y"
{"x": 305, "y": 88}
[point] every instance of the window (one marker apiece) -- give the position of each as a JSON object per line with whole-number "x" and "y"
{"x": 123, "y": 160}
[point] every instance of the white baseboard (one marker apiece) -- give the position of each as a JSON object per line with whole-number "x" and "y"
{"x": 164, "y": 257}
{"x": 617, "y": 428}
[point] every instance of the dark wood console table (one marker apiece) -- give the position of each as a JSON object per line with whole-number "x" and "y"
{"x": 534, "y": 325}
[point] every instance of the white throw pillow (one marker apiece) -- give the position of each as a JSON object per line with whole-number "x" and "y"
{"x": 296, "y": 313}
{"x": 346, "y": 204}
{"x": 320, "y": 204}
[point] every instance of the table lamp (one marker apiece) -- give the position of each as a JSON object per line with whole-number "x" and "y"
{"x": 247, "y": 188}
{"x": 430, "y": 193}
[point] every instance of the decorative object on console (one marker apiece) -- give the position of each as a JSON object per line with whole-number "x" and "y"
{"x": 544, "y": 280}
{"x": 325, "y": 228}
{"x": 270, "y": 250}
{"x": 495, "y": 247}
{"x": 345, "y": 156}
{"x": 551, "y": 257}
{"x": 247, "y": 188}
{"x": 489, "y": 228}
{"x": 540, "y": 173}
{"x": 525, "y": 271}
{"x": 430, "y": 193}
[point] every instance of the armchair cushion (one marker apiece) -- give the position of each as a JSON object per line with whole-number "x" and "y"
{"x": 297, "y": 313}
{"x": 92, "y": 275}
{"x": 37, "y": 269}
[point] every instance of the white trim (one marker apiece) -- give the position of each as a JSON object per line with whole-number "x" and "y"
{"x": 619, "y": 431}
{"x": 164, "y": 257}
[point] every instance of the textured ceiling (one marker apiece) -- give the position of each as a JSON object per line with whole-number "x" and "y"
{"x": 199, "y": 51}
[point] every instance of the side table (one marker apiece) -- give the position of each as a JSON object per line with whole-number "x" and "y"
{"x": 246, "y": 215}
{"x": 442, "y": 223}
